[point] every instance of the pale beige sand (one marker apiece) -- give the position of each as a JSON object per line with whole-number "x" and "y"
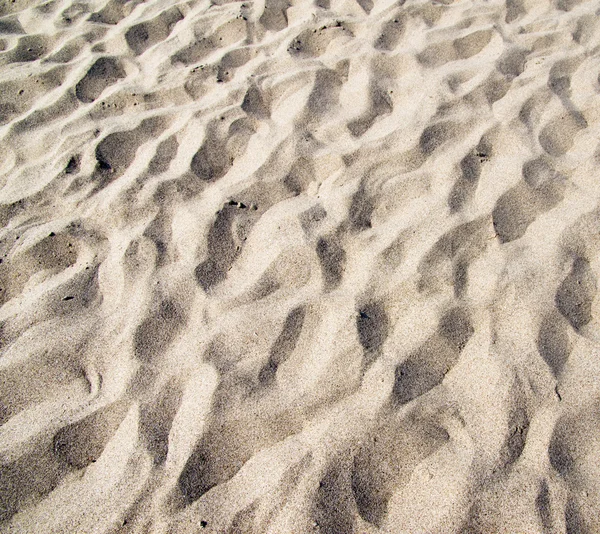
{"x": 282, "y": 267}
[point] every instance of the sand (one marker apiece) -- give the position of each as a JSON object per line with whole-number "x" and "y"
{"x": 280, "y": 266}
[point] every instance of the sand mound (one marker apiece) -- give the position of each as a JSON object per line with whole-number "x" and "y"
{"x": 291, "y": 266}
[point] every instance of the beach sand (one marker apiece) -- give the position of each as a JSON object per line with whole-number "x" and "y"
{"x": 286, "y": 266}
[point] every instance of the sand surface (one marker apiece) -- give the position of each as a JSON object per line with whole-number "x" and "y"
{"x": 293, "y": 266}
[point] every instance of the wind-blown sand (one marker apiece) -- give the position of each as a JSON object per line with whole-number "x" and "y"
{"x": 291, "y": 267}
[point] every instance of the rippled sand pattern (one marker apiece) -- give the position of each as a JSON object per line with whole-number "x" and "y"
{"x": 278, "y": 266}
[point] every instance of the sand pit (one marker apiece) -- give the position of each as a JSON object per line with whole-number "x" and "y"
{"x": 292, "y": 266}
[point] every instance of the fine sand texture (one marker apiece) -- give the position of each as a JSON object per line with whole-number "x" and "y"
{"x": 300, "y": 266}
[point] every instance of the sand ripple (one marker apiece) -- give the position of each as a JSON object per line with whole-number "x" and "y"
{"x": 286, "y": 266}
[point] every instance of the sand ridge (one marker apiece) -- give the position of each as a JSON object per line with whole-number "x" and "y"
{"x": 299, "y": 266}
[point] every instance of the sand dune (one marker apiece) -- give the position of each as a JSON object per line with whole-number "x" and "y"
{"x": 291, "y": 266}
